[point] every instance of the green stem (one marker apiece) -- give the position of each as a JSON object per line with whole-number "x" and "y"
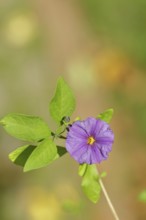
{"x": 62, "y": 137}
{"x": 108, "y": 200}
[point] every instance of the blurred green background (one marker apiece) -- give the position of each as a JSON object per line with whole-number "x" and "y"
{"x": 99, "y": 47}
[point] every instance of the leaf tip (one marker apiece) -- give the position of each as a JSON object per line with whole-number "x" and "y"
{"x": 10, "y": 156}
{"x": 26, "y": 169}
{"x": 106, "y": 115}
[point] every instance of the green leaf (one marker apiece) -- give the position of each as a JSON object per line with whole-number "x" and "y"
{"x": 142, "y": 196}
{"x": 25, "y": 127}
{"x": 63, "y": 102}
{"x": 90, "y": 184}
{"x": 45, "y": 153}
{"x": 21, "y": 154}
{"x": 82, "y": 169}
{"x": 107, "y": 115}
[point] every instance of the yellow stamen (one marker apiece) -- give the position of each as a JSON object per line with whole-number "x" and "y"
{"x": 90, "y": 140}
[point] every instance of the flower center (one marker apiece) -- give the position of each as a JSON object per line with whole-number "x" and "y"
{"x": 90, "y": 140}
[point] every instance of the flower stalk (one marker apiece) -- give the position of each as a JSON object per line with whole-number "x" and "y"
{"x": 108, "y": 199}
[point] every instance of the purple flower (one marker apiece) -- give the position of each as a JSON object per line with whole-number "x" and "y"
{"x": 89, "y": 141}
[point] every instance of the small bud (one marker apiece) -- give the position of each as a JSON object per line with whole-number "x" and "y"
{"x": 65, "y": 120}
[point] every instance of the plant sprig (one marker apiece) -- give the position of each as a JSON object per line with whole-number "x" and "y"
{"x": 40, "y": 148}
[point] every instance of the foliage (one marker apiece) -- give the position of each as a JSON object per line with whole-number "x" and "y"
{"x": 40, "y": 149}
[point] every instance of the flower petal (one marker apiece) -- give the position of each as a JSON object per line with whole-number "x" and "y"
{"x": 77, "y": 130}
{"x": 98, "y": 157}
{"x": 80, "y": 154}
{"x": 89, "y": 125}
